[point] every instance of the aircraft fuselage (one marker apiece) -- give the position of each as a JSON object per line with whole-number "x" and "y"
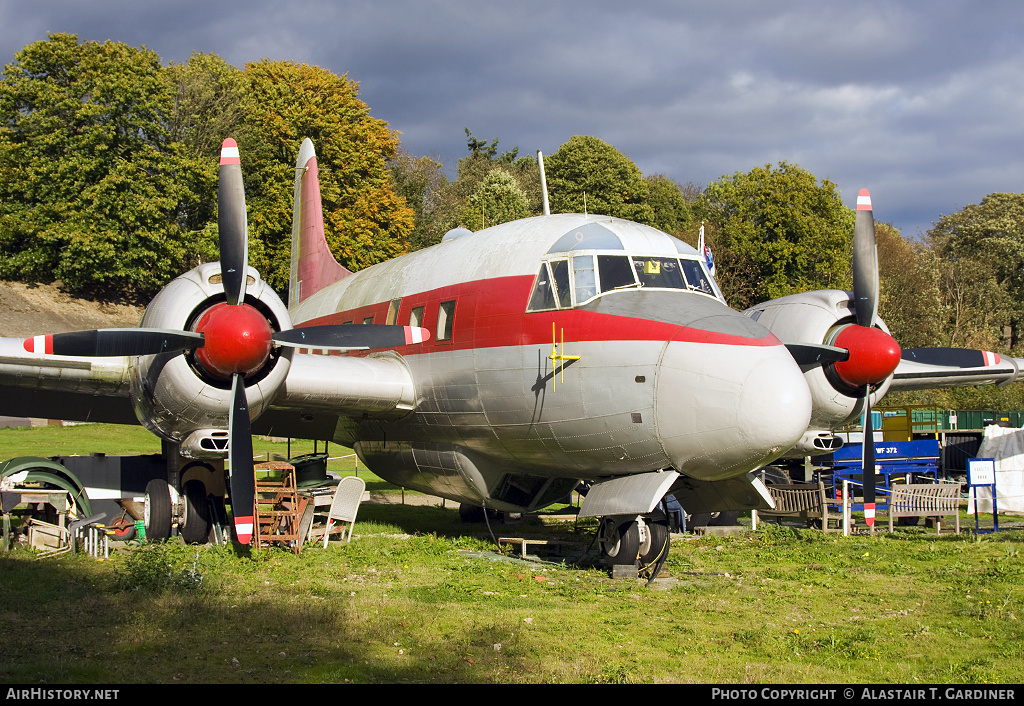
{"x": 514, "y": 405}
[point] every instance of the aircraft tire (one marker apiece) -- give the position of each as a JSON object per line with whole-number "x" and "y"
{"x": 474, "y": 514}
{"x": 700, "y": 519}
{"x": 471, "y": 513}
{"x": 655, "y": 546}
{"x": 619, "y": 540}
{"x": 196, "y": 525}
{"x": 724, "y": 519}
{"x": 157, "y": 513}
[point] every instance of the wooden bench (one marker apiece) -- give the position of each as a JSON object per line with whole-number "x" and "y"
{"x": 936, "y": 500}
{"x": 806, "y": 501}
{"x": 524, "y": 543}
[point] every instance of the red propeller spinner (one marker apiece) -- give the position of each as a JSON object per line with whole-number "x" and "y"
{"x": 874, "y": 355}
{"x": 237, "y": 340}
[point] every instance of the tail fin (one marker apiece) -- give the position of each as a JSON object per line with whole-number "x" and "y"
{"x": 313, "y": 267}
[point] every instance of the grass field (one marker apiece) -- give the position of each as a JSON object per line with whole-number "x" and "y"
{"x": 418, "y": 597}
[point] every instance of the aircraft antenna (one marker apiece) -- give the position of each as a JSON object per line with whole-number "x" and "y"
{"x": 543, "y": 183}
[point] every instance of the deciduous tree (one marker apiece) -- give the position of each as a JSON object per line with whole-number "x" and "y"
{"x": 92, "y": 190}
{"x": 780, "y": 229}
{"x": 365, "y": 220}
{"x": 588, "y": 175}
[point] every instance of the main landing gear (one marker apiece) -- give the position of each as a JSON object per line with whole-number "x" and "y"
{"x": 190, "y": 508}
{"x": 635, "y": 541}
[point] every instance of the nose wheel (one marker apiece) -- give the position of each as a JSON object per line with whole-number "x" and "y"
{"x": 642, "y": 542}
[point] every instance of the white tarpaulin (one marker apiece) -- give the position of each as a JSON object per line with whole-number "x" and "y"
{"x": 1006, "y": 447}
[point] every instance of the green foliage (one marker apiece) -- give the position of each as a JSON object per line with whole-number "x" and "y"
{"x": 366, "y": 222}
{"x": 911, "y": 303}
{"x": 777, "y": 231}
{"x": 420, "y": 181}
{"x": 92, "y": 191}
{"x": 490, "y": 188}
{"x": 168, "y": 566}
{"x": 982, "y": 252}
{"x": 207, "y": 105}
{"x": 108, "y": 164}
{"x": 498, "y": 199}
{"x": 588, "y": 175}
{"x": 671, "y": 208}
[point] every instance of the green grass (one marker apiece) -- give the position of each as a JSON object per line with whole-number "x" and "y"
{"x": 128, "y": 440}
{"x": 418, "y": 597}
{"x": 778, "y": 605}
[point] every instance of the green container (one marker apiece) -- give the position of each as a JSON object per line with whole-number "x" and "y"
{"x": 310, "y": 470}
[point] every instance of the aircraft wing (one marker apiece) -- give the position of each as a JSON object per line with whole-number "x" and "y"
{"x": 97, "y": 389}
{"x": 63, "y": 387}
{"x": 923, "y": 368}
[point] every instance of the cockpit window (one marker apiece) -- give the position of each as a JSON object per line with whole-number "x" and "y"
{"x": 615, "y": 272}
{"x": 564, "y": 283}
{"x": 552, "y": 288}
{"x": 695, "y": 278}
{"x": 658, "y": 272}
{"x": 584, "y": 281}
{"x": 560, "y": 271}
{"x": 543, "y": 296}
{"x": 592, "y": 236}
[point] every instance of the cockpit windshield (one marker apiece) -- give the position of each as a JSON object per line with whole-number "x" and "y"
{"x": 574, "y": 280}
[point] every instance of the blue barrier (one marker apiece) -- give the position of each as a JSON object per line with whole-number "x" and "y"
{"x": 904, "y": 461}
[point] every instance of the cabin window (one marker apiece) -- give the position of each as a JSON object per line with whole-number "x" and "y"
{"x": 445, "y": 319}
{"x": 393, "y": 311}
{"x": 615, "y": 272}
{"x": 368, "y": 320}
{"x": 416, "y": 316}
{"x": 658, "y": 272}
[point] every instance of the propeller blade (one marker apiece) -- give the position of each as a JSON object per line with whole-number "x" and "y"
{"x": 865, "y": 262}
{"x": 100, "y": 343}
{"x": 351, "y": 336}
{"x": 868, "y": 461}
{"x": 243, "y": 483}
{"x": 233, "y": 232}
{"x": 809, "y": 355}
{"x": 952, "y": 357}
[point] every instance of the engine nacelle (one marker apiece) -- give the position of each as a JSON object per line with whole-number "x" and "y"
{"x": 174, "y": 397}
{"x": 818, "y": 317}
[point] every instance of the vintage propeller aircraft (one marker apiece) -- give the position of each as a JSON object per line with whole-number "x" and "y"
{"x": 496, "y": 369}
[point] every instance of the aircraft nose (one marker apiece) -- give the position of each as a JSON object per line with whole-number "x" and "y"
{"x": 725, "y": 410}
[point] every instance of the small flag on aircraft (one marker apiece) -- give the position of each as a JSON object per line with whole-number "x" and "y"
{"x": 705, "y": 251}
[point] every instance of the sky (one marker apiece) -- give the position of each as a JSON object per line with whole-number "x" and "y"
{"x": 920, "y": 102}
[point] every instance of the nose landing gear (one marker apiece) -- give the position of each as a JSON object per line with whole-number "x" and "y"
{"x": 641, "y": 541}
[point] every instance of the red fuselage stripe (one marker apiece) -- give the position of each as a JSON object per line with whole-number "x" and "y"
{"x": 491, "y": 313}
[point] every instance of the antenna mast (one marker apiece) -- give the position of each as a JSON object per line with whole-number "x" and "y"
{"x": 543, "y": 183}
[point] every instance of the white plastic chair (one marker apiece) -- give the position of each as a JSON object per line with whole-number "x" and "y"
{"x": 345, "y": 505}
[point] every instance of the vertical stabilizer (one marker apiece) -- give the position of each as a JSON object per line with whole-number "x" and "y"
{"x": 313, "y": 267}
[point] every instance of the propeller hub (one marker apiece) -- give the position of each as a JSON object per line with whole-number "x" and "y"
{"x": 874, "y": 355}
{"x": 238, "y": 340}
